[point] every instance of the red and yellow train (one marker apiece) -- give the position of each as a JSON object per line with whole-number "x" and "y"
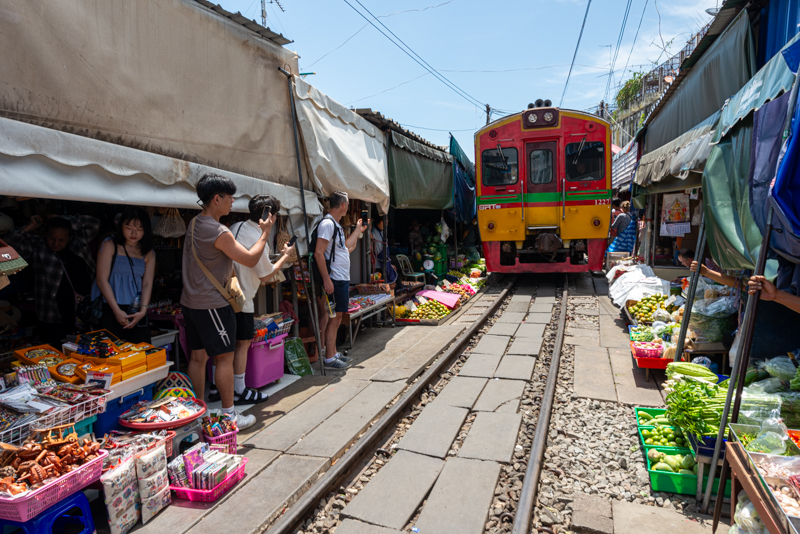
{"x": 544, "y": 190}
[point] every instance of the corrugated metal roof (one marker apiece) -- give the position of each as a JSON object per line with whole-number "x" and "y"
{"x": 623, "y": 165}
{"x": 385, "y": 123}
{"x": 251, "y": 25}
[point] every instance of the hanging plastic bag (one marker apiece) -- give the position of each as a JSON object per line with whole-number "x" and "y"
{"x": 757, "y": 406}
{"x": 770, "y": 385}
{"x": 746, "y": 517}
{"x": 772, "y": 436}
{"x": 780, "y": 367}
{"x": 296, "y": 357}
{"x": 445, "y": 233}
{"x": 713, "y": 318}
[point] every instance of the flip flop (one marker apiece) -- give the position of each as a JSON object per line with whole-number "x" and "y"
{"x": 249, "y": 396}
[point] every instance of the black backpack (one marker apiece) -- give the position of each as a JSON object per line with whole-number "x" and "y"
{"x": 316, "y": 275}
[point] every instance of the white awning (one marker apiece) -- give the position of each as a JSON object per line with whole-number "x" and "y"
{"x": 346, "y": 152}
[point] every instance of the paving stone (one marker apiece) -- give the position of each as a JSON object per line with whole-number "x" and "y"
{"x": 630, "y": 518}
{"x": 501, "y": 395}
{"x": 433, "y": 432}
{"x": 461, "y": 391}
{"x": 511, "y": 317}
{"x": 515, "y": 367}
{"x": 332, "y": 437}
{"x": 452, "y": 509}
{"x": 538, "y": 318}
{"x": 581, "y": 300}
{"x": 593, "y": 378}
{"x": 584, "y": 341}
{"x": 481, "y": 365}
{"x": 283, "y": 433}
{"x": 538, "y": 307}
{"x": 591, "y": 504}
{"x": 518, "y": 307}
{"x": 373, "y": 352}
{"x": 632, "y": 387}
{"x": 586, "y": 523}
{"x": 587, "y": 311}
{"x": 351, "y": 526}
{"x": 492, "y": 345}
{"x": 613, "y": 332}
{"x": 530, "y": 330}
{"x": 266, "y": 496}
{"x": 526, "y": 346}
{"x": 521, "y": 298}
{"x": 492, "y": 437}
{"x": 581, "y": 331}
{"x": 404, "y": 482}
{"x": 413, "y": 362}
{"x": 503, "y": 329}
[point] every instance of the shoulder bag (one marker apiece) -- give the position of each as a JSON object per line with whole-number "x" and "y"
{"x": 89, "y": 312}
{"x": 232, "y": 292}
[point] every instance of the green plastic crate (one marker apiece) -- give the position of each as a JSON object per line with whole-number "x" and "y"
{"x": 679, "y": 450}
{"x": 440, "y": 267}
{"x": 676, "y": 482}
{"x": 652, "y": 411}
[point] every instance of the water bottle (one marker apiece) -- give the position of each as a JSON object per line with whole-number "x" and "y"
{"x": 137, "y": 303}
{"x": 331, "y": 306}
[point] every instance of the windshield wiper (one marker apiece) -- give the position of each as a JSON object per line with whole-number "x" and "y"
{"x": 503, "y": 158}
{"x": 580, "y": 149}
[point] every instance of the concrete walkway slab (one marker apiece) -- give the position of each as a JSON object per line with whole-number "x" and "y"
{"x": 434, "y": 431}
{"x": 481, "y": 365}
{"x": 613, "y": 332}
{"x": 539, "y": 307}
{"x": 492, "y": 437}
{"x": 582, "y": 341}
{"x": 593, "y": 378}
{"x": 351, "y": 526}
{"x": 629, "y": 518}
{"x": 501, "y": 395}
{"x": 332, "y": 437}
{"x": 461, "y": 391}
{"x": 515, "y": 367}
{"x": 492, "y": 345}
{"x": 517, "y": 307}
{"x": 395, "y": 493}
{"x": 581, "y": 331}
{"x": 511, "y": 317}
{"x": 520, "y": 297}
{"x": 283, "y": 433}
{"x": 413, "y": 361}
{"x": 372, "y": 353}
{"x": 267, "y": 494}
{"x": 460, "y": 500}
{"x": 526, "y": 346}
{"x": 539, "y": 318}
{"x": 632, "y": 387}
{"x": 530, "y": 330}
{"x": 503, "y": 329}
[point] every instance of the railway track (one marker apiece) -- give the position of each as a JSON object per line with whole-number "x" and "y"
{"x": 406, "y": 471}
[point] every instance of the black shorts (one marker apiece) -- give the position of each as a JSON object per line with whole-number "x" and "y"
{"x": 212, "y": 330}
{"x": 341, "y": 295}
{"x": 245, "y": 326}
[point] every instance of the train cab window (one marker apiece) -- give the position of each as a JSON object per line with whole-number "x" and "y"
{"x": 499, "y": 169}
{"x": 540, "y": 167}
{"x": 585, "y": 161}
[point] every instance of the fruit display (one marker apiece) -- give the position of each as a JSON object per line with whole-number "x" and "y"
{"x": 430, "y": 310}
{"x": 672, "y": 463}
{"x": 644, "y": 309}
{"x": 664, "y": 436}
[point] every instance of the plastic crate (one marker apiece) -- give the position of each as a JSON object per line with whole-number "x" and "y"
{"x": 29, "y": 505}
{"x": 86, "y": 426}
{"x": 704, "y": 446}
{"x": 440, "y": 267}
{"x": 228, "y": 439}
{"x": 213, "y": 494}
{"x": 265, "y": 362}
{"x": 677, "y": 482}
{"x": 109, "y": 420}
{"x": 664, "y": 448}
{"x": 651, "y": 411}
{"x": 641, "y": 352}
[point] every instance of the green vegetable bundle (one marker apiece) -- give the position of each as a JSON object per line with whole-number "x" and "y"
{"x": 695, "y": 370}
{"x": 696, "y": 406}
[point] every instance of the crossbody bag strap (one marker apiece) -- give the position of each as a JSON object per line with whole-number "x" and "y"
{"x": 206, "y": 272}
{"x": 130, "y": 262}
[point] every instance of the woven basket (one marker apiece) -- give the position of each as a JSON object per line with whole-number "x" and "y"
{"x": 281, "y": 239}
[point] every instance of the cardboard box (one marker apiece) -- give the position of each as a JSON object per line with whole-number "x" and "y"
{"x": 156, "y": 357}
{"x": 134, "y": 372}
{"x": 66, "y": 371}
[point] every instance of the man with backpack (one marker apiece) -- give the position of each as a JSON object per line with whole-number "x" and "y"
{"x": 332, "y": 271}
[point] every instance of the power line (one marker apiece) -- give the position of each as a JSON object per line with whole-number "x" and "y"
{"x": 619, "y": 44}
{"x": 435, "y": 129}
{"x": 634, "y": 39}
{"x": 575, "y": 55}
{"x": 389, "y": 89}
{"x": 416, "y": 57}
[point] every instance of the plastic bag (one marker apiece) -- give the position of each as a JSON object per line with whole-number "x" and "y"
{"x": 713, "y": 318}
{"x": 790, "y": 408}
{"x": 746, "y": 517}
{"x": 296, "y": 357}
{"x": 780, "y": 367}
{"x": 662, "y": 315}
{"x": 770, "y": 385}
{"x": 736, "y": 346}
{"x": 771, "y": 437}
{"x": 756, "y": 406}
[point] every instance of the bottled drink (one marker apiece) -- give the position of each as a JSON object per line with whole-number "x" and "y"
{"x": 331, "y": 306}
{"x": 137, "y": 303}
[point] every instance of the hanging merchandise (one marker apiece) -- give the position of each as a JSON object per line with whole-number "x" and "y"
{"x": 170, "y": 225}
{"x": 444, "y": 230}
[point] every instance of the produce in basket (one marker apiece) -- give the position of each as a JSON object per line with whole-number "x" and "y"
{"x": 430, "y": 310}
{"x": 672, "y": 463}
{"x": 677, "y": 370}
{"x": 664, "y": 436}
{"x": 644, "y": 309}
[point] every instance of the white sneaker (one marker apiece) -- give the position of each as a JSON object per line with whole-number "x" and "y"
{"x": 244, "y": 421}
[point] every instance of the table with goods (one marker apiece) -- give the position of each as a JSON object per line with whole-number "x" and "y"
{"x": 371, "y": 301}
{"x": 762, "y": 447}
{"x": 432, "y": 306}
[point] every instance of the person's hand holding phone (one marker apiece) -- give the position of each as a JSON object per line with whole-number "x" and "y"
{"x": 266, "y": 222}
{"x": 362, "y": 226}
{"x": 289, "y": 247}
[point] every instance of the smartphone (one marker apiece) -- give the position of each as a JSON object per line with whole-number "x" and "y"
{"x": 265, "y": 214}
{"x": 292, "y": 241}
{"x": 364, "y": 217}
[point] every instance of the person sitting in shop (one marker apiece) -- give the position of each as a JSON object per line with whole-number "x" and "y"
{"x": 686, "y": 257}
{"x": 209, "y": 251}
{"x": 63, "y": 269}
{"x": 126, "y": 264}
{"x": 247, "y": 233}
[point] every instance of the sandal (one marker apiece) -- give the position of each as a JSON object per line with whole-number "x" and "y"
{"x": 249, "y": 396}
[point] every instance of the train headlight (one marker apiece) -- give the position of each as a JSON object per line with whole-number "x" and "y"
{"x": 490, "y": 226}
{"x": 548, "y": 116}
{"x": 596, "y": 222}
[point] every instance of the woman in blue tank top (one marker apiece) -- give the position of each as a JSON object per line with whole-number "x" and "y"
{"x": 126, "y": 264}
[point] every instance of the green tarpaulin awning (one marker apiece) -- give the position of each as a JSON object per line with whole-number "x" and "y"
{"x": 420, "y": 177}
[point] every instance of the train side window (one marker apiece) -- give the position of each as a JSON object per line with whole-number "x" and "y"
{"x": 540, "y": 167}
{"x": 499, "y": 169}
{"x": 585, "y": 161}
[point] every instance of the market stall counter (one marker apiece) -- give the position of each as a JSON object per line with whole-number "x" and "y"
{"x": 744, "y": 477}
{"x": 371, "y": 301}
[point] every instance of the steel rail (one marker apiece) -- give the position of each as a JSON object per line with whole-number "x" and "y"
{"x": 527, "y": 497}
{"x": 296, "y": 514}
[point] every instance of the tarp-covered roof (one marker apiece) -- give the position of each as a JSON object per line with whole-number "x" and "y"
{"x": 421, "y": 177}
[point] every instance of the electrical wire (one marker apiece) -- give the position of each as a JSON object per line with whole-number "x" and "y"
{"x": 634, "y": 39}
{"x": 389, "y": 89}
{"x": 616, "y": 51}
{"x": 435, "y": 129}
{"x": 416, "y": 57}
{"x": 575, "y": 55}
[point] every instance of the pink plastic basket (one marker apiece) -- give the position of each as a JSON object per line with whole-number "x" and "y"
{"x": 228, "y": 439}
{"x": 213, "y": 494}
{"x": 30, "y": 504}
{"x": 641, "y": 352}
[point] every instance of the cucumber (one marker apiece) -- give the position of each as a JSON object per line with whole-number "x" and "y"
{"x": 645, "y": 415}
{"x": 661, "y": 466}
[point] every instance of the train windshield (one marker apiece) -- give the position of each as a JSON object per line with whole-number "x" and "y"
{"x": 585, "y": 161}
{"x": 541, "y": 167}
{"x": 499, "y": 168}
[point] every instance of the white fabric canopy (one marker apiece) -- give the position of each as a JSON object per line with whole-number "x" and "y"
{"x": 346, "y": 152}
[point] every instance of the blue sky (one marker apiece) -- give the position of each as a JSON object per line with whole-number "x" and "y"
{"x": 504, "y": 53}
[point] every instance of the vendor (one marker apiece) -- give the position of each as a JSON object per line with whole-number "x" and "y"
{"x": 379, "y": 248}
{"x": 686, "y": 257}
{"x": 63, "y": 267}
{"x": 770, "y": 291}
{"x": 625, "y": 227}
{"x": 470, "y": 239}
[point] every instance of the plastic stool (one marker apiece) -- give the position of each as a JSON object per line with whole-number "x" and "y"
{"x": 182, "y": 433}
{"x": 54, "y": 519}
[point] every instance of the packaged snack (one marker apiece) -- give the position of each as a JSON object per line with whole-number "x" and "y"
{"x": 151, "y": 507}
{"x": 119, "y": 504}
{"x": 119, "y": 478}
{"x": 151, "y": 463}
{"x": 151, "y": 486}
{"x": 126, "y": 520}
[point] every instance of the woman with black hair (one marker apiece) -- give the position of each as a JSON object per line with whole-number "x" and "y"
{"x": 126, "y": 264}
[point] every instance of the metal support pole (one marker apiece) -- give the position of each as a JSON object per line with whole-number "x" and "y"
{"x": 687, "y": 307}
{"x": 295, "y": 307}
{"x": 647, "y": 214}
{"x": 654, "y": 243}
{"x": 312, "y": 300}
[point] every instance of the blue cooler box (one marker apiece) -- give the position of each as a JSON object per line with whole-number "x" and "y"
{"x": 109, "y": 420}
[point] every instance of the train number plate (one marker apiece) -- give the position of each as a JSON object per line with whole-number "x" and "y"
{"x": 489, "y": 207}
{"x": 602, "y": 202}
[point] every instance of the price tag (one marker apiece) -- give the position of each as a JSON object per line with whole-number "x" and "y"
{"x": 464, "y": 280}
{"x": 446, "y": 283}
{"x": 439, "y": 289}
{"x": 412, "y": 306}
{"x": 422, "y": 300}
